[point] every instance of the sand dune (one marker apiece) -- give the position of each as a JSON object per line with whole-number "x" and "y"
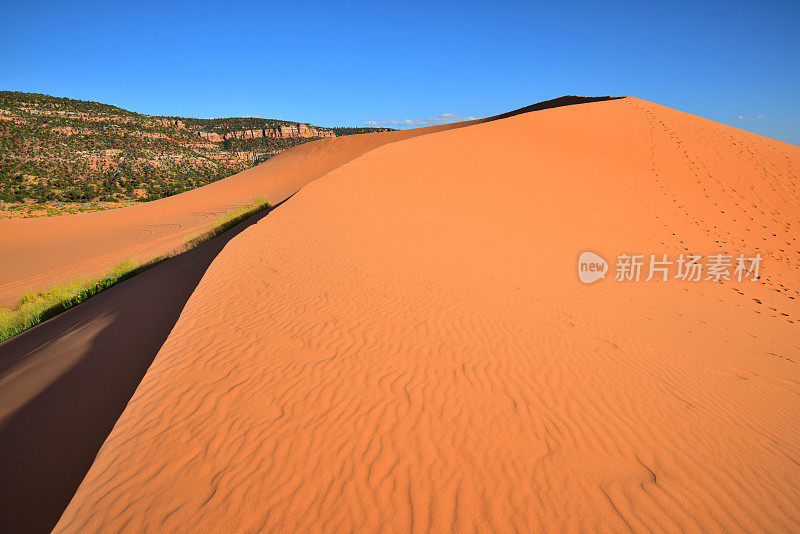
{"x": 43, "y": 251}
{"x": 405, "y": 345}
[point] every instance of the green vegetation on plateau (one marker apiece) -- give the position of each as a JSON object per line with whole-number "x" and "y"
{"x": 62, "y": 154}
{"x": 353, "y": 130}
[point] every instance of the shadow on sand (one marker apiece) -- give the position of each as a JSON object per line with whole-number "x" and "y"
{"x": 64, "y": 383}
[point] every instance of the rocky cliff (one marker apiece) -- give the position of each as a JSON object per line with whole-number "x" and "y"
{"x": 303, "y": 131}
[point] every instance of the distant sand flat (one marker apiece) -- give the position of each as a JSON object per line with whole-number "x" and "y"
{"x": 404, "y": 345}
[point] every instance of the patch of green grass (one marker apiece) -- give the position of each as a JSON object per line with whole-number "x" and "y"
{"x": 36, "y": 307}
{"x": 228, "y": 221}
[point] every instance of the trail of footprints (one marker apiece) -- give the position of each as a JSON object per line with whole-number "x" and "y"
{"x": 773, "y": 236}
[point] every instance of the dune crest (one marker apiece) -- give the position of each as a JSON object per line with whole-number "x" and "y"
{"x": 405, "y": 345}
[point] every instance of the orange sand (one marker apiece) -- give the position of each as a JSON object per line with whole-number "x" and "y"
{"x": 405, "y": 345}
{"x": 40, "y": 252}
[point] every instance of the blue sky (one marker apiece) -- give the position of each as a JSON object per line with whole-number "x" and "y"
{"x": 346, "y": 64}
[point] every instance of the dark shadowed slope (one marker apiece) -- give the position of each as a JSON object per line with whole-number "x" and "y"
{"x": 64, "y": 383}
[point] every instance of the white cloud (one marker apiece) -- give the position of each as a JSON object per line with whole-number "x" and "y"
{"x": 749, "y": 117}
{"x": 444, "y": 118}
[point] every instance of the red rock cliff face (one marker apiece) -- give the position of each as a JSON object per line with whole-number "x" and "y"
{"x": 214, "y": 137}
{"x": 169, "y": 122}
{"x": 281, "y": 132}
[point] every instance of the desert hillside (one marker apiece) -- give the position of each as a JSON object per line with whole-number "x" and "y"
{"x": 405, "y": 344}
{"x": 61, "y": 155}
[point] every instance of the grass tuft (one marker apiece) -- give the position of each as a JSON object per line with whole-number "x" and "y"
{"x": 228, "y": 221}
{"x": 36, "y": 307}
